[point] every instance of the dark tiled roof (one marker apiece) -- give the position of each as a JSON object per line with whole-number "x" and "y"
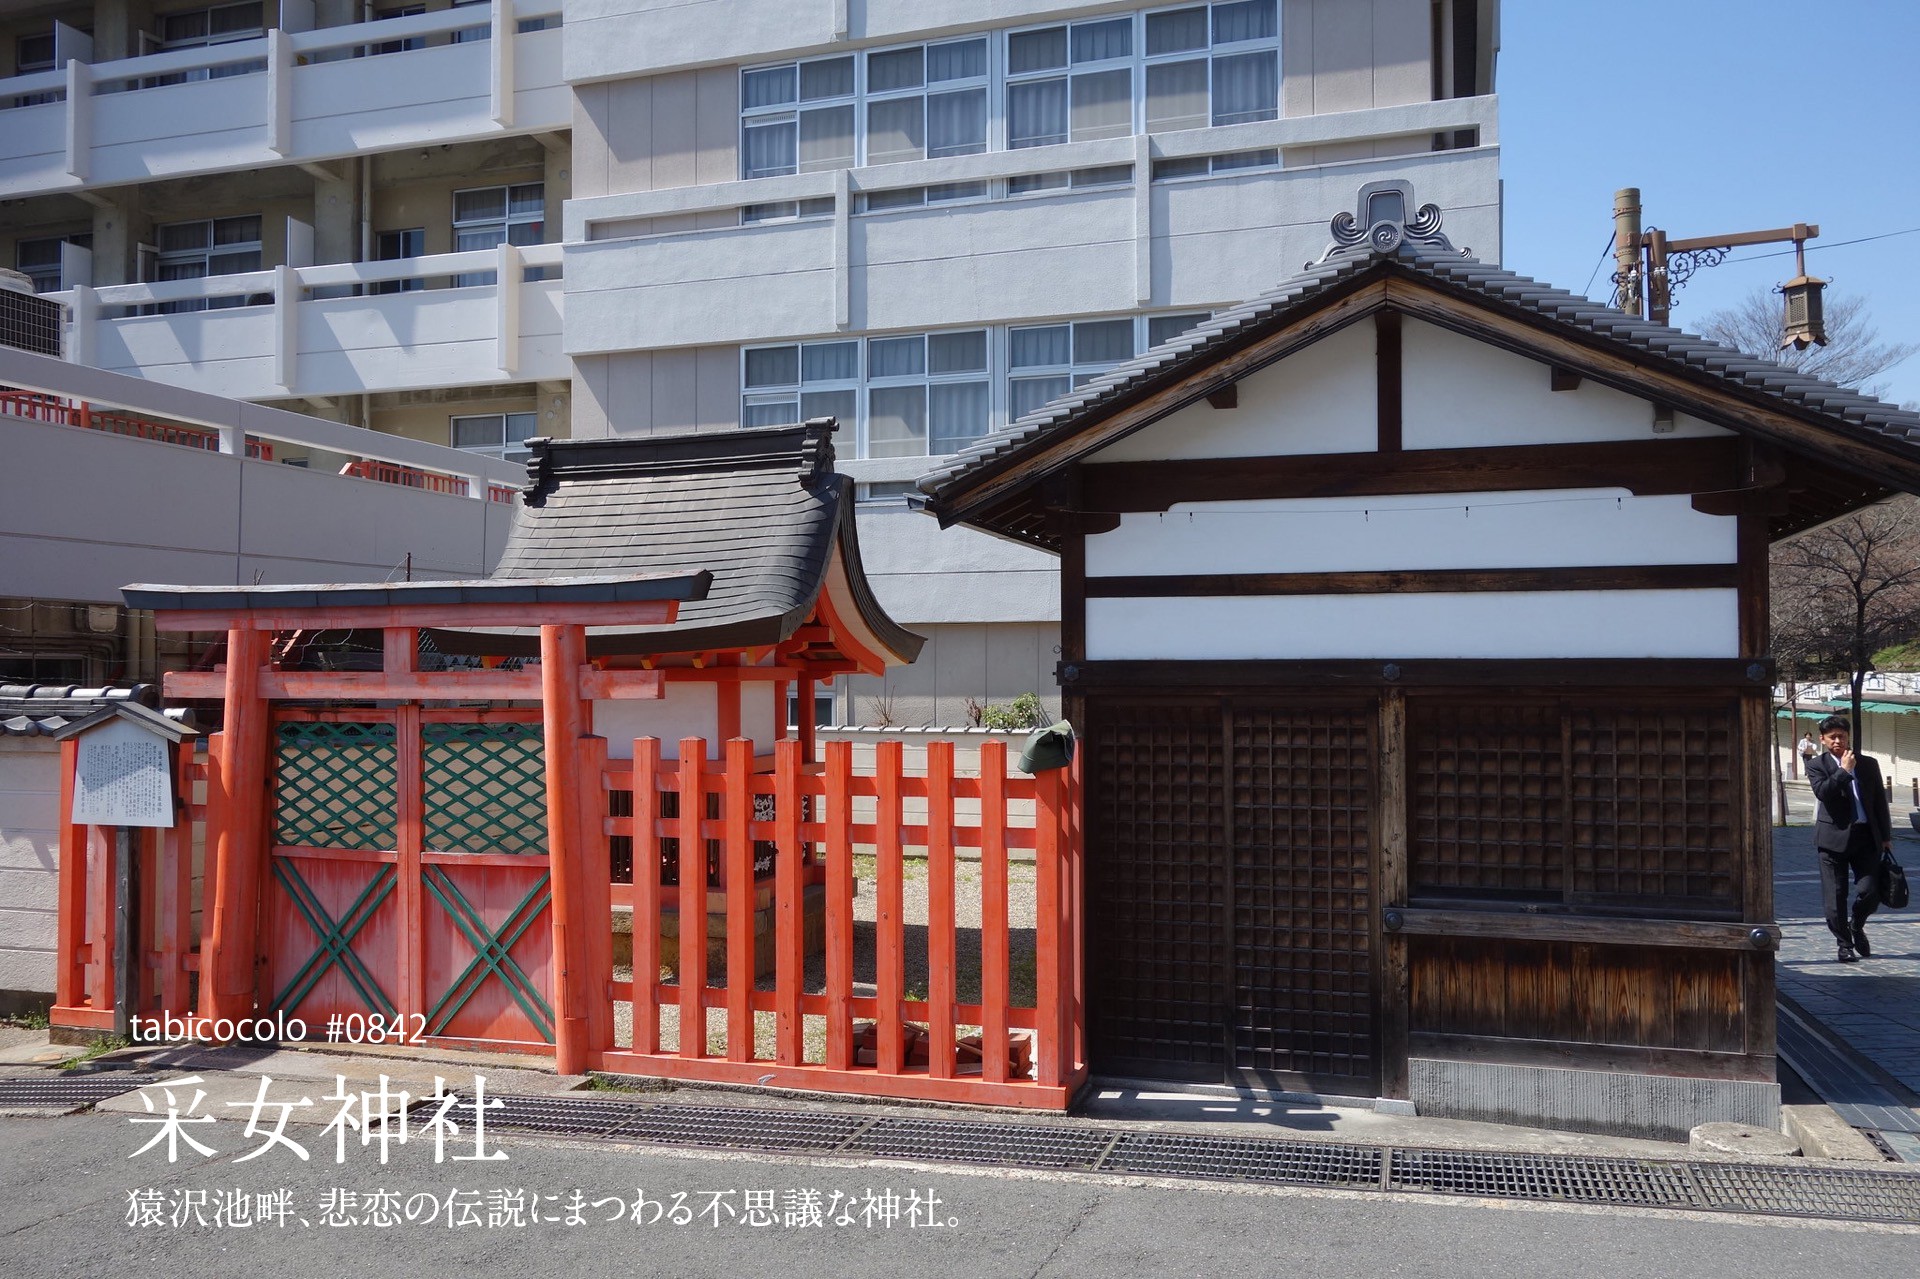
{"x": 762, "y": 509}
{"x": 1846, "y": 410}
{"x": 606, "y": 589}
{"x": 41, "y": 710}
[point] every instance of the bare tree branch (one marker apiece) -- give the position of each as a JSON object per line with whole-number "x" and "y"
{"x": 1852, "y": 356}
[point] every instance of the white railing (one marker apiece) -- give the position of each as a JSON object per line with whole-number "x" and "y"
{"x": 285, "y": 288}
{"x": 51, "y": 145}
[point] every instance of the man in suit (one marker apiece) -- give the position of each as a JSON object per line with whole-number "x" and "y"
{"x": 1852, "y": 828}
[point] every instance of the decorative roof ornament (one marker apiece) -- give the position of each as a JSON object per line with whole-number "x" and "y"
{"x": 1382, "y": 223}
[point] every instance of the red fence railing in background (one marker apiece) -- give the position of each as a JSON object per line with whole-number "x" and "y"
{"x": 820, "y": 816}
{"x": 414, "y": 478}
{"x": 84, "y": 972}
{"x": 48, "y": 408}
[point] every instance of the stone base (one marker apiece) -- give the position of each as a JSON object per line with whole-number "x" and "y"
{"x": 1655, "y": 1107}
{"x": 1743, "y": 1140}
{"x": 813, "y": 932}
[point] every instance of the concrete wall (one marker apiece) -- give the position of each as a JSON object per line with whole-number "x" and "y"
{"x": 29, "y": 869}
{"x": 150, "y": 512}
{"x": 988, "y": 662}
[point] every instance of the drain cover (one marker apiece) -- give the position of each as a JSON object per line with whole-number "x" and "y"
{"x": 1240, "y": 1159}
{"x": 1008, "y": 1145}
{"x": 741, "y": 1128}
{"x": 51, "y": 1092}
{"x": 1794, "y": 1192}
{"x": 1569, "y": 1179}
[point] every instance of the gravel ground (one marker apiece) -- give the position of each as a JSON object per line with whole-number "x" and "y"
{"x": 1020, "y": 926}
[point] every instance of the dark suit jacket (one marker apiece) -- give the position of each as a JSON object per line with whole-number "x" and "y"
{"x": 1834, "y": 815}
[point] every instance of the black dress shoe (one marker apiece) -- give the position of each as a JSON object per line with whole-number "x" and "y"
{"x": 1860, "y": 942}
{"x": 1846, "y": 955}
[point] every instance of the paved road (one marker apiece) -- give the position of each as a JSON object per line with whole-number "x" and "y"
{"x": 69, "y": 1181}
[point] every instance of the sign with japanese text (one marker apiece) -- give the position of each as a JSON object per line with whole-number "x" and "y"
{"x": 124, "y": 777}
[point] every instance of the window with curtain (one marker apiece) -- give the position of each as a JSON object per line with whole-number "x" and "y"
{"x": 1070, "y": 83}
{"x": 926, "y": 101}
{"x": 1212, "y": 65}
{"x": 206, "y": 247}
{"x": 502, "y": 435}
{"x": 216, "y": 24}
{"x": 39, "y": 259}
{"x": 800, "y": 380}
{"x": 1045, "y": 361}
{"x": 484, "y": 217}
{"x": 797, "y": 117}
{"x": 904, "y": 395}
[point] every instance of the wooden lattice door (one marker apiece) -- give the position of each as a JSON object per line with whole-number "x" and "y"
{"x": 1229, "y": 886}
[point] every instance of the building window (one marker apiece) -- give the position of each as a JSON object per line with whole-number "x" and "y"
{"x": 1200, "y": 166}
{"x": 203, "y": 28}
{"x": 918, "y": 394}
{"x": 1045, "y": 361}
{"x": 485, "y": 32}
{"x": 207, "y": 247}
{"x": 1070, "y": 83}
{"x": 801, "y": 380}
{"x": 39, "y": 260}
{"x": 927, "y": 101}
{"x": 797, "y": 117}
{"x": 484, "y": 217}
{"x": 1165, "y": 328}
{"x": 398, "y": 246}
{"x": 823, "y": 715}
{"x": 502, "y": 435}
{"x": 1212, "y": 65}
{"x": 33, "y": 54}
{"x": 398, "y": 46}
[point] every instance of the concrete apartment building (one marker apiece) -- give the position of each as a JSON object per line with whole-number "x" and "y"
{"x": 470, "y": 224}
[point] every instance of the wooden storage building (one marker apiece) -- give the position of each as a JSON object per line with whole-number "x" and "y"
{"x": 1415, "y": 618}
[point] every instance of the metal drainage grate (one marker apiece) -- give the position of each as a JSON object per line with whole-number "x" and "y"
{"x": 1004, "y": 1145}
{"x": 740, "y": 1128}
{"x": 1794, "y": 1192}
{"x": 1565, "y": 1178}
{"x": 582, "y": 1118}
{"x": 51, "y": 1092}
{"x": 1243, "y": 1159}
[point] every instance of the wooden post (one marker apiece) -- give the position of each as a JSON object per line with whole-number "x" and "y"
{"x": 1049, "y": 1052}
{"x": 993, "y": 912}
{"x": 790, "y": 954}
{"x": 806, "y": 725}
{"x": 838, "y": 819}
{"x": 69, "y": 990}
{"x": 237, "y": 801}
{"x": 646, "y": 894}
{"x": 174, "y": 874}
{"x": 889, "y": 934}
{"x": 1395, "y": 990}
{"x": 596, "y": 894}
{"x": 563, "y": 651}
{"x": 127, "y": 956}
{"x": 737, "y": 867}
{"x": 693, "y": 900}
{"x": 410, "y": 833}
{"x": 940, "y": 932}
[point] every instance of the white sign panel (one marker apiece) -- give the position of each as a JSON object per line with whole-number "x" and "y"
{"x": 123, "y": 778}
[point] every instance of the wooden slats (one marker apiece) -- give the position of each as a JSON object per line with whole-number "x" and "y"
{"x": 814, "y": 805}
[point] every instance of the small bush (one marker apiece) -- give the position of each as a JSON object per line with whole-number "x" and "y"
{"x": 1025, "y": 711}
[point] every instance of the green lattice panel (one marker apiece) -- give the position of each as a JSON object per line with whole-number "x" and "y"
{"x": 486, "y": 787}
{"x": 334, "y": 785}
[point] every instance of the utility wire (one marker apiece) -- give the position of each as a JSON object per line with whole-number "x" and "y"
{"x": 1597, "y": 265}
{"x": 1837, "y": 244}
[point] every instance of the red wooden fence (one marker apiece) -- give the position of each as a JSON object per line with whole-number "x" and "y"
{"x": 815, "y": 831}
{"x": 50, "y": 408}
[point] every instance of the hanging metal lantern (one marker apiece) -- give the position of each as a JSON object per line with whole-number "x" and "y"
{"x": 1804, "y": 321}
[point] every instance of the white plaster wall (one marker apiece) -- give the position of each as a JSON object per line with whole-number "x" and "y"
{"x": 1551, "y": 528}
{"x": 689, "y": 709}
{"x": 1473, "y": 395}
{"x": 924, "y": 575}
{"x": 164, "y": 513}
{"x": 29, "y": 863}
{"x": 761, "y": 708}
{"x": 1318, "y": 400}
{"x": 1494, "y": 624}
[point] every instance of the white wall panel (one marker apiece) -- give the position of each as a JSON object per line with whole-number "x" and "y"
{"x": 1319, "y": 400}
{"x": 688, "y": 710}
{"x": 1555, "y": 528}
{"x": 34, "y": 155}
{"x": 1494, "y": 624}
{"x": 1462, "y": 393}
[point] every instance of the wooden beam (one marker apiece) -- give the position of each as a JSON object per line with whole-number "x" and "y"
{"x": 1304, "y": 677}
{"x": 1227, "y": 397}
{"x": 1387, "y": 377}
{"x": 447, "y": 686}
{"x": 1605, "y": 930}
{"x": 1560, "y": 379}
{"x": 1392, "y": 966}
{"x": 1613, "y": 1058}
{"x": 1696, "y": 392}
{"x": 1624, "y": 577}
{"x": 1336, "y": 314}
{"x": 382, "y": 616}
{"x": 1644, "y": 467}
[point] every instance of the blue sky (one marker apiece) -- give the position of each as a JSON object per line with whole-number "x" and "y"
{"x": 1729, "y": 115}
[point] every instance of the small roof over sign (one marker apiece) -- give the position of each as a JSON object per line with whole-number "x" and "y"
{"x": 164, "y": 726}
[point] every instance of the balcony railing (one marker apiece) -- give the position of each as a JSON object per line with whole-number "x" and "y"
{"x": 324, "y": 330}
{"x": 286, "y": 97}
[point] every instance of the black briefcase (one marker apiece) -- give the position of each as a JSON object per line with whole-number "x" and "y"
{"x": 1893, "y": 882}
